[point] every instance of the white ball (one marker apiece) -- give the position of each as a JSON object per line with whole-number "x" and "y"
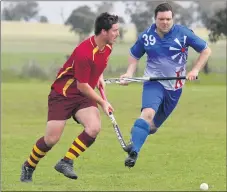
{"x": 204, "y": 186}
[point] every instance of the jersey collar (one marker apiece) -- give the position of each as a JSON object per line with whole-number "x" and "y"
{"x": 95, "y": 46}
{"x": 92, "y": 40}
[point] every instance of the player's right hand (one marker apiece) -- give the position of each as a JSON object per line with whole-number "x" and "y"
{"x": 123, "y": 82}
{"x": 106, "y": 107}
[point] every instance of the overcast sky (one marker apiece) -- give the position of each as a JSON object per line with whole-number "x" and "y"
{"x": 53, "y": 9}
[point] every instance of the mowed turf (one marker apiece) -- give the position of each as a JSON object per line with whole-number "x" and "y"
{"x": 46, "y": 48}
{"x": 189, "y": 149}
{"x": 49, "y": 53}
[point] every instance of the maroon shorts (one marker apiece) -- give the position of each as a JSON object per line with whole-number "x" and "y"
{"x": 63, "y": 108}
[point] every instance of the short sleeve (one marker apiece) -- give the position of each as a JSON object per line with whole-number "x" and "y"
{"x": 137, "y": 50}
{"x": 82, "y": 68}
{"x": 195, "y": 42}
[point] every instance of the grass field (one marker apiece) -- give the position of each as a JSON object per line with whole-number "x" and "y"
{"x": 189, "y": 149}
{"x": 45, "y": 47}
{"x": 55, "y": 52}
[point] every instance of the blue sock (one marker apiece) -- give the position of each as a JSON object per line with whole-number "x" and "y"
{"x": 139, "y": 133}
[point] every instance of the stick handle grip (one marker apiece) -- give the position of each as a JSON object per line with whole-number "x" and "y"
{"x": 167, "y": 78}
{"x": 101, "y": 90}
{"x": 102, "y": 93}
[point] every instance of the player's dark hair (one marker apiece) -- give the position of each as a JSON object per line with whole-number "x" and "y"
{"x": 105, "y": 21}
{"x": 162, "y": 8}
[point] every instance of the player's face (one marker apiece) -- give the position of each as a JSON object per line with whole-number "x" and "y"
{"x": 112, "y": 34}
{"x": 164, "y": 21}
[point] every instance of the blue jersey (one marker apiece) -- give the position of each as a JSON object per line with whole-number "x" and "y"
{"x": 167, "y": 56}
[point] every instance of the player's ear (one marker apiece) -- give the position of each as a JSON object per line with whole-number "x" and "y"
{"x": 104, "y": 32}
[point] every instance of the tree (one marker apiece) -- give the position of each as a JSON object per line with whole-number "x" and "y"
{"x": 139, "y": 14}
{"x": 81, "y": 21}
{"x": 43, "y": 19}
{"x": 142, "y": 13}
{"x": 62, "y": 14}
{"x": 207, "y": 10}
{"x": 122, "y": 30}
{"x": 186, "y": 16}
{"x": 218, "y": 25}
{"x": 212, "y": 15}
{"x": 105, "y": 6}
{"x": 16, "y": 11}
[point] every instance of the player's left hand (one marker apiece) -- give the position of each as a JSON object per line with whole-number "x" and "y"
{"x": 192, "y": 75}
{"x": 101, "y": 83}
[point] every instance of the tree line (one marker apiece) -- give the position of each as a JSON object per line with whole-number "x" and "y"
{"x": 212, "y": 15}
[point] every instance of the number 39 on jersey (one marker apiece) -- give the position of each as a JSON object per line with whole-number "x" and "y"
{"x": 149, "y": 39}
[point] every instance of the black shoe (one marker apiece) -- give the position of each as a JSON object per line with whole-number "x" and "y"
{"x": 26, "y": 173}
{"x": 66, "y": 168}
{"x": 131, "y": 159}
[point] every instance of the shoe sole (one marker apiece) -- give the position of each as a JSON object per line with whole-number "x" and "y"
{"x": 130, "y": 163}
{"x": 25, "y": 181}
{"x": 68, "y": 176}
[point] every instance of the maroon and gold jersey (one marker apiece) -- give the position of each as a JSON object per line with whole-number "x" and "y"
{"x": 85, "y": 65}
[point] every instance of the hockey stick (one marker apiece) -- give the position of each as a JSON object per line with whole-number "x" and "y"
{"x": 115, "y": 125}
{"x": 142, "y": 79}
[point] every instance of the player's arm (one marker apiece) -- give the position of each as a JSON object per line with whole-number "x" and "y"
{"x": 202, "y": 59}
{"x": 133, "y": 62}
{"x": 136, "y": 52}
{"x": 82, "y": 70}
{"x": 87, "y": 90}
{"x": 101, "y": 77}
{"x": 101, "y": 82}
{"x": 200, "y": 46}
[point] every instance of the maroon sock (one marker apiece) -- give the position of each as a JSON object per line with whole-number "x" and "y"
{"x": 38, "y": 152}
{"x": 79, "y": 145}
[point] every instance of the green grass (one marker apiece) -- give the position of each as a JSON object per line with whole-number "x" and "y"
{"x": 189, "y": 149}
{"x": 18, "y": 51}
{"x": 45, "y": 47}
{"x": 46, "y": 54}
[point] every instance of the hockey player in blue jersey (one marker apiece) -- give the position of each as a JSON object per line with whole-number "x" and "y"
{"x": 166, "y": 46}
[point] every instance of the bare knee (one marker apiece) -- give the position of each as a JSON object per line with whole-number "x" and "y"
{"x": 148, "y": 115}
{"x": 51, "y": 140}
{"x": 53, "y": 132}
{"x": 93, "y": 128}
{"x": 90, "y": 118}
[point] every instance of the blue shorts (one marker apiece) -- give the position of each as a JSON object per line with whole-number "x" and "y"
{"x": 163, "y": 101}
